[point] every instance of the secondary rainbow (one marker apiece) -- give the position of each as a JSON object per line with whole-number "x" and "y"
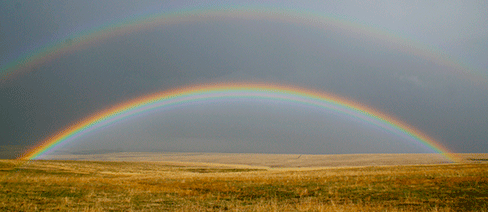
{"x": 84, "y": 39}
{"x": 231, "y": 92}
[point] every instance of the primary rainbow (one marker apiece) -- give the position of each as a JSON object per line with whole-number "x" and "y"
{"x": 87, "y": 38}
{"x": 237, "y": 91}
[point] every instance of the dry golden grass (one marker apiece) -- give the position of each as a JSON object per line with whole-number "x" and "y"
{"x": 155, "y": 186}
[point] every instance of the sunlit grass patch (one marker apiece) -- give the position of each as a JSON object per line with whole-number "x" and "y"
{"x": 220, "y": 170}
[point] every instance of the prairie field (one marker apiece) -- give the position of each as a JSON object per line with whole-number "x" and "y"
{"x": 64, "y": 185}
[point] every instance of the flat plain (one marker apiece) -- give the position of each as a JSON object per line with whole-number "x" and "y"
{"x": 255, "y": 160}
{"x": 245, "y": 182}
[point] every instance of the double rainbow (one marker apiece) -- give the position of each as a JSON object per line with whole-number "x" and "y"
{"x": 236, "y": 91}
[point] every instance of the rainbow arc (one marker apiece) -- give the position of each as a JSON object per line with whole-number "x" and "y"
{"x": 242, "y": 92}
{"x": 89, "y": 37}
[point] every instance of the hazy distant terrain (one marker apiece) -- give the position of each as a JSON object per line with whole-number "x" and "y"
{"x": 272, "y": 160}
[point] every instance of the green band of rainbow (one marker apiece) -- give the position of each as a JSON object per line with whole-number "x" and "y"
{"x": 239, "y": 91}
{"x": 87, "y": 38}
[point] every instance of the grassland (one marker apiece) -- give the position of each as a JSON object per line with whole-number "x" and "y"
{"x": 155, "y": 186}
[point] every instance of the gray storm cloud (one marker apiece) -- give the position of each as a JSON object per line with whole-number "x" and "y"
{"x": 423, "y": 93}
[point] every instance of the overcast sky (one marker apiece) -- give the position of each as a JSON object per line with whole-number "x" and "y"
{"x": 447, "y": 105}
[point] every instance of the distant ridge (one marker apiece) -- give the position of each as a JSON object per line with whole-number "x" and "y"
{"x": 259, "y": 160}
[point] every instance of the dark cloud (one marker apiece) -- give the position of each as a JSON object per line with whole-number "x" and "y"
{"x": 423, "y": 93}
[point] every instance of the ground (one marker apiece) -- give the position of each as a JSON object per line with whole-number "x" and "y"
{"x": 209, "y": 186}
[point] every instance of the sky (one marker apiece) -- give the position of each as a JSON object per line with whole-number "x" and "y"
{"x": 423, "y": 62}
